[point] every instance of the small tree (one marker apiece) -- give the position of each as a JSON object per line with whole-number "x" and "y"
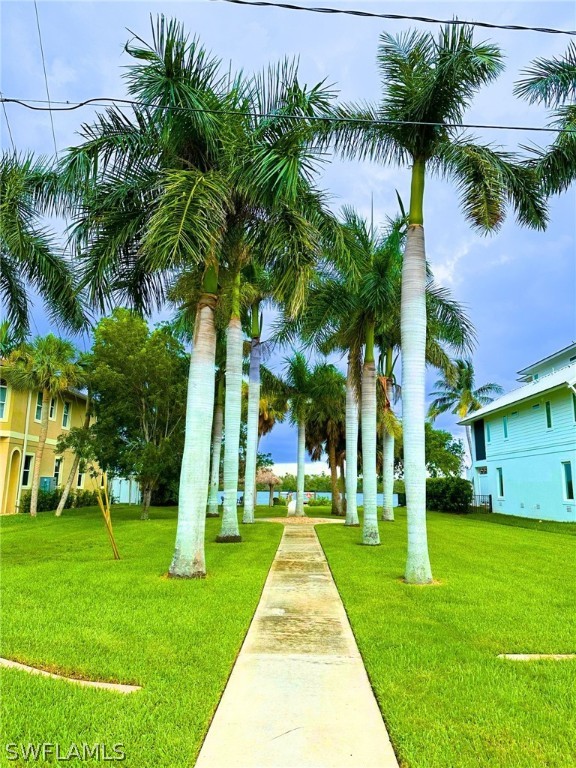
{"x": 265, "y": 476}
{"x": 139, "y": 390}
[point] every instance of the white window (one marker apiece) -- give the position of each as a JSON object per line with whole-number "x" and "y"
{"x": 38, "y": 415}
{"x": 548, "y": 415}
{"x": 80, "y": 480}
{"x": 57, "y": 471}
{"x": 500, "y": 476}
{"x": 26, "y": 470}
{"x": 487, "y": 432}
{"x": 568, "y": 481}
{"x": 3, "y": 398}
{"x": 52, "y": 411}
{"x": 505, "y": 426}
{"x": 66, "y": 415}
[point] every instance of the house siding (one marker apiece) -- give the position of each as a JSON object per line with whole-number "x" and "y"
{"x": 531, "y": 458}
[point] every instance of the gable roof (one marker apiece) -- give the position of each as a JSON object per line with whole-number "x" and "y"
{"x": 548, "y": 358}
{"x": 562, "y": 378}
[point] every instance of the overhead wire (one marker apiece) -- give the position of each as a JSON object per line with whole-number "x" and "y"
{"x": 103, "y": 101}
{"x": 398, "y": 16}
{"x": 7, "y": 122}
{"x": 45, "y": 75}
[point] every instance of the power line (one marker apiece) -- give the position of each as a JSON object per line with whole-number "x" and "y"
{"x": 45, "y": 75}
{"x": 397, "y": 16}
{"x": 7, "y": 122}
{"x": 103, "y": 101}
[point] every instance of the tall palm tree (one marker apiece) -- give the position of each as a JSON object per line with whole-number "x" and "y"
{"x": 455, "y": 392}
{"x": 298, "y": 383}
{"x": 427, "y": 84}
{"x": 168, "y": 189}
{"x": 47, "y": 365}
{"x": 552, "y": 82}
{"x": 325, "y": 426}
{"x": 29, "y": 254}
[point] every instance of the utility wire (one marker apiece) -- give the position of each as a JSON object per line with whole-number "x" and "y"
{"x": 7, "y": 122}
{"x": 397, "y": 16}
{"x": 104, "y": 101}
{"x": 45, "y": 75}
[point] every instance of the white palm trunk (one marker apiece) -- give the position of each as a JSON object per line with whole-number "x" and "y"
{"x": 300, "y": 469}
{"x": 252, "y": 431}
{"x": 232, "y": 417}
{"x": 189, "y": 561}
{"x": 216, "y": 451}
{"x": 370, "y": 534}
{"x": 351, "y": 450}
{"x": 388, "y": 475}
{"x": 413, "y": 330}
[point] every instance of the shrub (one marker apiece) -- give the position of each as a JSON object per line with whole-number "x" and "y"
{"x": 449, "y": 494}
{"x": 321, "y": 502}
{"x": 278, "y": 501}
{"x": 48, "y": 500}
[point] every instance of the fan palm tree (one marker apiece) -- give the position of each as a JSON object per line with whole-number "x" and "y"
{"x": 428, "y": 83}
{"x": 552, "y": 82}
{"x": 49, "y": 366}
{"x": 29, "y": 255}
{"x": 455, "y": 392}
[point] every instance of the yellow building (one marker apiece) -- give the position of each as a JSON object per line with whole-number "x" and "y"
{"x": 20, "y": 417}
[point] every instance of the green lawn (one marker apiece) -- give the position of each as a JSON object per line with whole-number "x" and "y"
{"x": 67, "y": 606}
{"x": 431, "y": 651}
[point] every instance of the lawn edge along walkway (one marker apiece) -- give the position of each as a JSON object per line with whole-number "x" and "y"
{"x": 117, "y": 687}
{"x": 299, "y": 694}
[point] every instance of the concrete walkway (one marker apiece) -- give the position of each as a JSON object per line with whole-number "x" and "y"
{"x": 298, "y": 696}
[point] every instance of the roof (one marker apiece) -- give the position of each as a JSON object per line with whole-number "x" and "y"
{"x": 563, "y": 377}
{"x": 563, "y": 351}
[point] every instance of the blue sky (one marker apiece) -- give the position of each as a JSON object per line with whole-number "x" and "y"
{"x": 519, "y": 286}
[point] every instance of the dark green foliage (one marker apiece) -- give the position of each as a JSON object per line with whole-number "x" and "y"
{"x": 449, "y": 494}
{"x": 48, "y": 500}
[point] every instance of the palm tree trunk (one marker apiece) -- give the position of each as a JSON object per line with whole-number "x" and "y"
{"x": 413, "y": 334}
{"x": 271, "y": 496}
{"x": 39, "y": 453}
{"x": 75, "y": 465}
{"x": 336, "y": 506}
{"x": 252, "y": 420}
{"x": 351, "y": 449}
{"x": 370, "y": 534}
{"x": 469, "y": 439}
{"x": 388, "y": 475}
{"x": 300, "y": 469}
{"x": 216, "y": 450}
{"x": 229, "y": 532}
{"x": 189, "y": 561}
{"x": 342, "y": 485}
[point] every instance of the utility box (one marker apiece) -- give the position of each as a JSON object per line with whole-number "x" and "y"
{"x": 47, "y": 483}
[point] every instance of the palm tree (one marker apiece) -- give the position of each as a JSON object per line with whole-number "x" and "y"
{"x": 173, "y": 188}
{"x": 552, "y": 82}
{"x": 47, "y": 365}
{"x": 325, "y": 426}
{"x": 427, "y": 85}
{"x": 28, "y": 251}
{"x": 298, "y": 382}
{"x": 455, "y": 392}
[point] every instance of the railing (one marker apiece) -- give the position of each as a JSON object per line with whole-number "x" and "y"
{"x": 483, "y": 501}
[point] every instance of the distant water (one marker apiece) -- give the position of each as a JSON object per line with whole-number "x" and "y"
{"x": 264, "y": 496}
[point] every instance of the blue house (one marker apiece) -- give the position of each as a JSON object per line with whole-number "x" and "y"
{"x": 524, "y": 443}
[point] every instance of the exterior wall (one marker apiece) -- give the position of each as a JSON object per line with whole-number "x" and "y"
{"x": 19, "y": 434}
{"x": 553, "y": 363}
{"x": 531, "y": 458}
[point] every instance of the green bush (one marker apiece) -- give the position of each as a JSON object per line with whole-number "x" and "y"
{"x": 322, "y": 502}
{"x": 278, "y": 501}
{"x": 48, "y": 500}
{"x": 449, "y": 494}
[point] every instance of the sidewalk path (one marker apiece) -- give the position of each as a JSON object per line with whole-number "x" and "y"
{"x": 298, "y": 696}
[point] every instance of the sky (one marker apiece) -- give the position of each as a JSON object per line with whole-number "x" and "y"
{"x": 518, "y": 286}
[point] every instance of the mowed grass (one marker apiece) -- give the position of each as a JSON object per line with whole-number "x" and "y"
{"x": 68, "y": 607}
{"x": 431, "y": 652}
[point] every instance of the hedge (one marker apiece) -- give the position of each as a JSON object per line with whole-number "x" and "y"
{"x": 449, "y": 494}
{"x": 48, "y": 500}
